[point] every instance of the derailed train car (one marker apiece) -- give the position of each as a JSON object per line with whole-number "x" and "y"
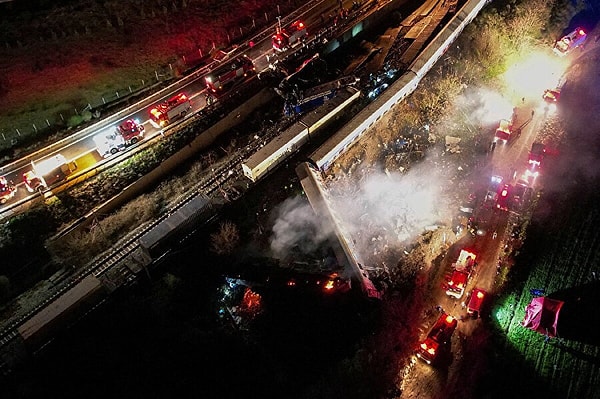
{"x": 290, "y": 141}
{"x": 324, "y": 157}
{"x": 169, "y": 230}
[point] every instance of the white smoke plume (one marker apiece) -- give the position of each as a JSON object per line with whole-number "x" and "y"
{"x": 297, "y": 228}
{"x": 399, "y": 206}
{"x": 385, "y": 212}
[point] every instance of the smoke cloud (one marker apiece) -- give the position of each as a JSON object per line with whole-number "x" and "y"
{"x": 297, "y": 229}
{"x": 388, "y": 210}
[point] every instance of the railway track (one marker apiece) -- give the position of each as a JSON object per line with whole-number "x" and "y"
{"x": 215, "y": 182}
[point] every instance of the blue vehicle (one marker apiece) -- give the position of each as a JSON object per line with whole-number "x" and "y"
{"x": 298, "y": 103}
{"x": 569, "y": 42}
{"x": 306, "y": 104}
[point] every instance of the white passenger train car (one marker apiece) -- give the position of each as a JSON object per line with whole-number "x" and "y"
{"x": 324, "y": 157}
{"x": 290, "y": 141}
{"x": 438, "y": 46}
{"x": 353, "y": 130}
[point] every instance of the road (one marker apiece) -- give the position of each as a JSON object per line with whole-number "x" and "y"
{"x": 491, "y": 246}
{"x": 80, "y": 147}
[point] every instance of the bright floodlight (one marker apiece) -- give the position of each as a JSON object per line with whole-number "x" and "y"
{"x": 493, "y": 107}
{"x": 532, "y": 75}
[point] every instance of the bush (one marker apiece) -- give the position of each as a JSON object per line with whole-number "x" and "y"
{"x": 75, "y": 121}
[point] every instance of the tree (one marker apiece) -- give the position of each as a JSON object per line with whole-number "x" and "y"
{"x": 224, "y": 241}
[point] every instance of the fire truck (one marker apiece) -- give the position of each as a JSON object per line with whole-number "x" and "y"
{"x": 462, "y": 269}
{"x": 504, "y": 197}
{"x": 437, "y": 339}
{"x": 45, "y": 173}
{"x": 229, "y": 73}
{"x": 175, "y": 107}
{"x": 289, "y": 36}
{"x": 7, "y": 190}
{"x": 126, "y": 134}
{"x": 475, "y": 301}
{"x": 491, "y": 195}
{"x": 456, "y": 284}
{"x": 465, "y": 262}
{"x": 534, "y": 161}
{"x": 503, "y": 132}
{"x": 569, "y": 42}
{"x": 551, "y": 96}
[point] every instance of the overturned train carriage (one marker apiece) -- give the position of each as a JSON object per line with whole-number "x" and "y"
{"x": 171, "y": 229}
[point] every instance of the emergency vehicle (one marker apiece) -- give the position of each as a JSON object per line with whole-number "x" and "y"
{"x": 503, "y": 197}
{"x": 229, "y": 73}
{"x": 437, "y": 339}
{"x": 45, "y": 173}
{"x": 456, "y": 284}
{"x": 465, "y": 261}
{"x": 534, "y": 161}
{"x": 551, "y": 96}
{"x": 475, "y": 302}
{"x": 126, "y": 134}
{"x": 493, "y": 189}
{"x": 175, "y": 107}
{"x": 7, "y": 190}
{"x": 569, "y": 42}
{"x": 503, "y": 132}
{"x": 289, "y": 36}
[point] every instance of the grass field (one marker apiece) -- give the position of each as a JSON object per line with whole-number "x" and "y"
{"x": 56, "y": 61}
{"x": 561, "y": 256}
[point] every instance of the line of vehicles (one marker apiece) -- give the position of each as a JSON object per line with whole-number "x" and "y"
{"x": 226, "y": 76}
{"x": 437, "y": 341}
{"x": 52, "y": 170}
{"x": 499, "y": 195}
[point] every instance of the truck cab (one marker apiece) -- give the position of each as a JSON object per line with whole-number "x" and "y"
{"x": 475, "y": 301}
{"x": 7, "y": 190}
{"x": 33, "y": 182}
{"x": 131, "y": 131}
{"x": 503, "y": 132}
{"x": 456, "y": 284}
{"x": 570, "y": 41}
{"x": 438, "y": 337}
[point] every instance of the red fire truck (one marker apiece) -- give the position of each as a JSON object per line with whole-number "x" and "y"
{"x": 290, "y": 36}
{"x": 175, "y": 107}
{"x": 475, "y": 301}
{"x": 7, "y": 190}
{"x": 569, "y": 42}
{"x": 126, "y": 134}
{"x": 229, "y": 73}
{"x": 439, "y": 336}
{"x": 503, "y": 132}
